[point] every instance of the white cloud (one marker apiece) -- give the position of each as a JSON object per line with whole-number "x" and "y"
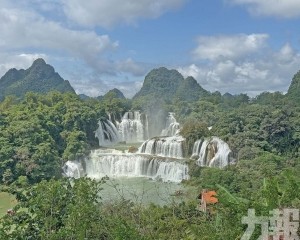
{"x": 286, "y": 54}
{"x": 107, "y": 13}
{"x": 194, "y": 71}
{"x": 38, "y": 28}
{"x": 127, "y": 87}
{"x": 20, "y": 29}
{"x": 228, "y": 47}
{"x": 279, "y": 8}
{"x": 272, "y": 71}
{"x": 94, "y": 86}
{"x": 24, "y": 30}
{"x": 130, "y": 66}
{"x": 85, "y": 80}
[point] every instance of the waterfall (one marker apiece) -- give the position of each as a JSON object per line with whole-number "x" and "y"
{"x": 109, "y": 117}
{"x": 197, "y": 148}
{"x": 212, "y": 152}
{"x": 172, "y": 126}
{"x": 73, "y": 169}
{"x": 146, "y": 127}
{"x": 106, "y": 133}
{"x": 133, "y": 127}
{"x": 221, "y": 158}
{"x": 164, "y": 146}
{"x": 100, "y": 164}
{"x": 202, "y": 160}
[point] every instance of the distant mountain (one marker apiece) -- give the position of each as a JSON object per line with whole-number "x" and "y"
{"x": 160, "y": 82}
{"x": 114, "y": 93}
{"x": 83, "y": 96}
{"x": 228, "y": 95}
{"x": 189, "y": 90}
{"x": 100, "y": 97}
{"x": 40, "y": 78}
{"x": 169, "y": 85}
{"x": 294, "y": 89}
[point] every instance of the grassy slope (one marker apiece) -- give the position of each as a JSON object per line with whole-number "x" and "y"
{"x": 7, "y": 201}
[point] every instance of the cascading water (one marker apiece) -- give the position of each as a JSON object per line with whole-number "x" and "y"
{"x": 164, "y": 146}
{"x": 100, "y": 164}
{"x": 212, "y": 152}
{"x": 172, "y": 126}
{"x": 133, "y": 127}
{"x": 197, "y": 148}
{"x": 73, "y": 169}
{"x": 106, "y": 133}
{"x": 157, "y": 158}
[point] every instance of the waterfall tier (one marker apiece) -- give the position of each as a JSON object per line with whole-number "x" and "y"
{"x": 73, "y": 169}
{"x": 196, "y": 149}
{"x": 212, "y": 152}
{"x": 107, "y": 133}
{"x": 133, "y": 127}
{"x": 101, "y": 164}
{"x": 171, "y": 147}
{"x": 172, "y": 126}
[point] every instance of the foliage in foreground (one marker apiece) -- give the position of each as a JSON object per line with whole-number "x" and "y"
{"x": 64, "y": 209}
{"x": 59, "y": 209}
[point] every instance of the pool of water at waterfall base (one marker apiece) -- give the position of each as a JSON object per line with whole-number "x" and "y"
{"x": 145, "y": 191}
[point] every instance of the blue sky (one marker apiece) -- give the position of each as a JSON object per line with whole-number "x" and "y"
{"x": 236, "y": 46}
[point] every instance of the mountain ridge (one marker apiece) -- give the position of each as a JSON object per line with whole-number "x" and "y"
{"x": 160, "y": 83}
{"x": 40, "y": 77}
{"x": 169, "y": 85}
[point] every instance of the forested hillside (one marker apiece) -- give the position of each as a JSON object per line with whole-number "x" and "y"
{"x": 294, "y": 89}
{"x": 41, "y": 132}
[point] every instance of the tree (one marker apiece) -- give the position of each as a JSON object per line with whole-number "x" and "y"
{"x": 76, "y": 145}
{"x": 192, "y": 131}
{"x": 56, "y": 209}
